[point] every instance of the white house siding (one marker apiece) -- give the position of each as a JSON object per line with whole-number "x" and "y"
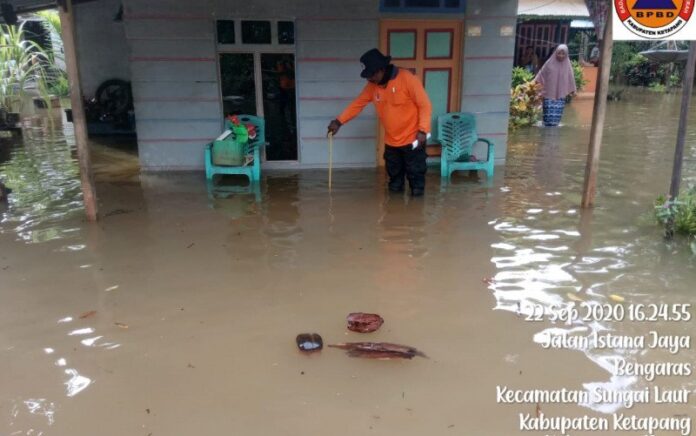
{"x": 487, "y": 72}
{"x": 328, "y": 75}
{"x": 175, "y": 78}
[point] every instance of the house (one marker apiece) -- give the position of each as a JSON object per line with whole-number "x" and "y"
{"x": 295, "y": 63}
{"x": 544, "y": 25}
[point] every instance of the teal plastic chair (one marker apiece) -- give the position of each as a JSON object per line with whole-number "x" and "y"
{"x": 253, "y": 170}
{"x": 457, "y": 134}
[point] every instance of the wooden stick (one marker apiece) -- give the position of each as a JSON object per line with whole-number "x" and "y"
{"x": 330, "y": 158}
{"x": 599, "y": 114}
{"x": 687, "y": 87}
{"x": 79, "y": 122}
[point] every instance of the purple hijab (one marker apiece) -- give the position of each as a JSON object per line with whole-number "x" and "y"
{"x": 557, "y": 77}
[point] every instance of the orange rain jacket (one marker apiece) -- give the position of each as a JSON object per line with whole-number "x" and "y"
{"x": 402, "y": 105}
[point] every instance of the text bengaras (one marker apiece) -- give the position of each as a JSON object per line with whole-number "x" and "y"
{"x": 651, "y": 370}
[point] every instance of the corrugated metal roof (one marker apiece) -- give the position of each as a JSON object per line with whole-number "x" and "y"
{"x": 553, "y": 8}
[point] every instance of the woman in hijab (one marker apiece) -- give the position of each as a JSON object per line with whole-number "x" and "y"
{"x": 558, "y": 81}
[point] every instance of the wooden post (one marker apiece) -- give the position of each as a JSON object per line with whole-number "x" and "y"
{"x": 687, "y": 88}
{"x": 599, "y": 113}
{"x": 78, "y": 111}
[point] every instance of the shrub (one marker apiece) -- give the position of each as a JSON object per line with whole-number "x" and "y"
{"x": 657, "y": 87}
{"x": 525, "y": 104}
{"x": 520, "y": 75}
{"x": 639, "y": 71}
{"x": 678, "y": 215}
{"x": 60, "y": 86}
{"x": 674, "y": 80}
{"x": 580, "y": 81}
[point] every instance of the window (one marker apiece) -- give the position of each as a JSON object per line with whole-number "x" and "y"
{"x": 256, "y": 32}
{"x": 225, "y": 32}
{"x": 422, "y": 3}
{"x": 286, "y": 32}
{"x": 441, "y": 6}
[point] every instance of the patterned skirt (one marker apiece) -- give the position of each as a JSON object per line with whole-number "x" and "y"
{"x": 553, "y": 111}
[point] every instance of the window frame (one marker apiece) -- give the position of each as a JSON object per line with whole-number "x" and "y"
{"x": 402, "y": 9}
{"x": 238, "y": 45}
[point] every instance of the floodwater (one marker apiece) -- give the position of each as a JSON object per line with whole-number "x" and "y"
{"x": 176, "y": 314}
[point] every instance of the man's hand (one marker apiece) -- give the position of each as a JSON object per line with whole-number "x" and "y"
{"x": 334, "y": 125}
{"x": 422, "y": 139}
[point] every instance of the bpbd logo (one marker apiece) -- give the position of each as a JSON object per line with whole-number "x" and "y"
{"x": 654, "y": 19}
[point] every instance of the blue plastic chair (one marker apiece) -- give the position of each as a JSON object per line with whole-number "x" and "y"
{"x": 253, "y": 170}
{"x": 457, "y": 134}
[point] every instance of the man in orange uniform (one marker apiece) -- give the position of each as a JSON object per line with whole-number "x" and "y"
{"x": 405, "y": 111}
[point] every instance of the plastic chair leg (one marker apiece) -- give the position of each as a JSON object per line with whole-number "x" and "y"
{"x": 208, "y": 169}
{"x": 491, "y": 162}
{"x": 257, "y": 166}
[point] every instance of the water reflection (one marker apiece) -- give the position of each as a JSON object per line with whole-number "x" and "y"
{"x": 76, "y": 383}
{"x": 41, "y": 169}
{"x": 548, "y": 256}
{"x": 403, "y": 227}
{"x": 41, "y": 407}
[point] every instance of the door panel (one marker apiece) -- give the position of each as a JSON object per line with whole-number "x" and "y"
{"x": 402, "y": 44}
{"x": 438, "y": 44}
{"x": 430, "y": 49}
{"x": 278, "y": 81}
{"x": 237, "y": 83}
{"x": 437, "y": 85}
{"x": 264, "y": 86}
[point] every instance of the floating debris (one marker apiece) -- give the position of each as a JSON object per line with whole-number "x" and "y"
{"x": 364, "y": 322}
{"x": 617, "y": 298}
{"x": 88, "y": 314}
{"x": 117, "y": 212}
{"x": 574, "y": 297}
{"x": 121, "y": 325}
{"x": 379, "y": 350}
{"x": 309, "y": 342}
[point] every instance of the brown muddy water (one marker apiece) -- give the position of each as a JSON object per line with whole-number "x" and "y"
{"x": 177, "y": 313}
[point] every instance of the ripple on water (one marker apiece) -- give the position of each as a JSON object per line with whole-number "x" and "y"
{"x": 43, "y": 173}
{"x": 569, "y": 256}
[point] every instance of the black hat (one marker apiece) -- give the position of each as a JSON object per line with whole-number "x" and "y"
{"x": 373, "y": 61}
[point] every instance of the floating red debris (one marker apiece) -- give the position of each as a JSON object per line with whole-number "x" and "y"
{"x": 364, "y": 322}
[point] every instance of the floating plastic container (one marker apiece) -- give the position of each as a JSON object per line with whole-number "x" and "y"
{"x": 227, "y": 151}
{"x": 309, "y": 342}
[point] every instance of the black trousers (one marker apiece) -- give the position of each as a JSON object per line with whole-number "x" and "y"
{"x": 405, "y": 162}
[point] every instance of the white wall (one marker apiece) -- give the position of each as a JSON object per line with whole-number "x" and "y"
{"x": 487, "y": 71}
{"x": 101, "y": 44}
